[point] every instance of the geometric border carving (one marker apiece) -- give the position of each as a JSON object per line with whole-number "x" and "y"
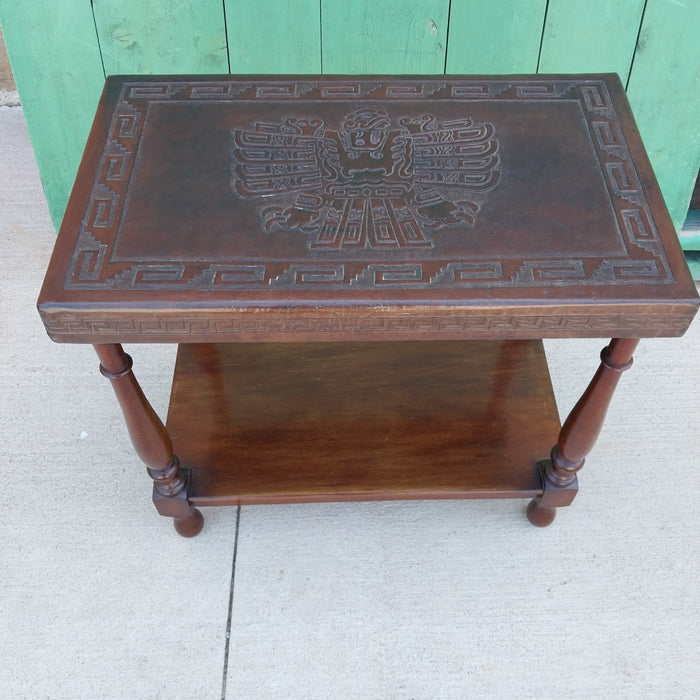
{"x": 92, "y": 266}
{"x": 512, "y": 326}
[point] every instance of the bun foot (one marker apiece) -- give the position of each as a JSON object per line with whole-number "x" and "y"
{"x": 539, "y": 516}
{"x": 189, "y": 526}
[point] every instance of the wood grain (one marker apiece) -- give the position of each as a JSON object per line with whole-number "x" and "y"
{"x": 597, "y": 36}
{"x": 500, "y": 36}
{"x": 147, "y": 37}
{"x": 664, "y": 90}
{"x": 361, "y": 421}
{"x": 274, "y": 36}
{"x": 384, "y": 36}
{"x": 59, "y": 81}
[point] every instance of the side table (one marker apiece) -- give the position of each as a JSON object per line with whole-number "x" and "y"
{"x": 359, "y": 272}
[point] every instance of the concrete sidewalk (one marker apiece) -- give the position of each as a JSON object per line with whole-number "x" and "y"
{"x": 100, "y": 598}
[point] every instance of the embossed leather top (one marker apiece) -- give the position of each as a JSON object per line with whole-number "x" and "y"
{"x": 295, "y": 208}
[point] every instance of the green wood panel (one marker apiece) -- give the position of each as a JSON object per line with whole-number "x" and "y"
{"x": 384, "y": 36}
{"x": 596, "y": 36}
{"x": 274, "y": 36}
{"x": 690, "y": 242}
{"x": 664, "y": 89}
{"x": 693, "y": 260}
{"x": 168, "y": 36}
{"x": 500, "y": 36}
{"x": 56, "y": 64}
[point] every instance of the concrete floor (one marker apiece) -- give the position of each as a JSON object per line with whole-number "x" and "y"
{"x": 101, "y": 599}
{"x": 8, "y": 89}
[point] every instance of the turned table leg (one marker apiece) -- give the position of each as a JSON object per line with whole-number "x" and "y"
{"x": 151, "y": 441}
{"x": 579, "y": 433}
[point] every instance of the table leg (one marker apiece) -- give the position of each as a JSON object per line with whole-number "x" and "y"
{"x": 579, "y": 433}
{"x": 151, "y": 441}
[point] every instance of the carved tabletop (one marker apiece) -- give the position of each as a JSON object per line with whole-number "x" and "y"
{"x": 250, "y": 208}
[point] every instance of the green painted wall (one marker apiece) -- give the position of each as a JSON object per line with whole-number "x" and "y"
{"x": 161, "y": 37}
{"x": 274, "y": 36}
{"x": 597, "y": 36}
{"x": 59, "y": 83}
{"x": 61, "y": 51}
{"x": 664, "y": 90}
{"x": 384, "y": 36}
{"x": 499, "y": 36}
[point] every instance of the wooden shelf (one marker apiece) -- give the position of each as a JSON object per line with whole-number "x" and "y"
{"x": 276, "y": 423}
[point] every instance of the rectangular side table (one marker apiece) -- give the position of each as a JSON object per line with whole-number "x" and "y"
{"x": 359, "y": 273}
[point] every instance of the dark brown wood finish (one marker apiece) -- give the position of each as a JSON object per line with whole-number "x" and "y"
{"x": 362, "y": 421}
{"x": 221, "y": 208}
{"x": 151, "y": 441}
{"x": 254, "y": 219}
{"x": 579, "y": 432}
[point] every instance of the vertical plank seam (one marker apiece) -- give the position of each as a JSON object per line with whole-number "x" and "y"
{"x": 97, "y": 36}
{"x": 320, "y": 33}
{"x": 228, "y": 47}
{"x": 544, "y": 28}
{"x": 227, "y": 645}
{"x": 636, "y": 44}
{"x": 447, "y": 36}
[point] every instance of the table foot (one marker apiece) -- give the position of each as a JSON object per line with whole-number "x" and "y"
{"x": 189, "y": 526}
{"x": 538, "y": 515}
{"x": 542, "y": 510}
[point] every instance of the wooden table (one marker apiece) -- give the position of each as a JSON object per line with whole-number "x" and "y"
{"x": 298, "y": 237}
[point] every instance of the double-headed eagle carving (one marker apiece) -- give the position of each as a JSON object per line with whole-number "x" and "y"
{"x": 372, "y": 183}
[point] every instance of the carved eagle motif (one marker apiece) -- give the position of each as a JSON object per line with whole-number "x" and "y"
{"x": 373, "y": 182}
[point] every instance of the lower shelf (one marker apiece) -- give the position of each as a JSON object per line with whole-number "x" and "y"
{"x": 299, "y": 422}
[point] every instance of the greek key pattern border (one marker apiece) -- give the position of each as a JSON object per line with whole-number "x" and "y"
{"x": 92, "y": 268}
{"x": 510, "y": 325}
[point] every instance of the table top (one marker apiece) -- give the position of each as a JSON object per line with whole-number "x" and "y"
{"x": 326, "y": 207}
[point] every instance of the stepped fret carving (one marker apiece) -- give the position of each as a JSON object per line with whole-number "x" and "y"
{"x": 331, "y": 185}
{"x": 156, "y": 325}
